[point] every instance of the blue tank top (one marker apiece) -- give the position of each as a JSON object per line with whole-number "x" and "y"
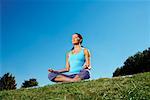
{"x": 76, "y": 62}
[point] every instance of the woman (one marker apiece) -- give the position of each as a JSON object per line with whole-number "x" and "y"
{"x": 77, "y": 64}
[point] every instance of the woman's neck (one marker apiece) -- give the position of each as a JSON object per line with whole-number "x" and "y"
{"x": 77, "y": 47}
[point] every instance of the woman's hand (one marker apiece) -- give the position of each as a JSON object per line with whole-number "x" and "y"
{"x": 50, "y": 70}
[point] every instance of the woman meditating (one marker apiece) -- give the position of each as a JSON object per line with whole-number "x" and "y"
{"x": 77, "y": 63}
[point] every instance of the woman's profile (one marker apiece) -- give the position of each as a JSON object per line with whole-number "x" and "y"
{"x": 78, "y": 63}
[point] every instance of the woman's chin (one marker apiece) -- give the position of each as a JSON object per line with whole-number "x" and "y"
{"x": 75, "y": 43}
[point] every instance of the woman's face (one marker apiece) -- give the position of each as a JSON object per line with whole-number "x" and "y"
{"x": 75, "y": 39}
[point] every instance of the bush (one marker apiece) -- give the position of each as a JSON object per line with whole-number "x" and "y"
{"x": 138, "y": 63}
{"x": 29, "y": 83}
{"x": 7, "y": 82}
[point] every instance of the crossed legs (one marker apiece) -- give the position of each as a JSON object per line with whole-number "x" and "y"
{"x": 62, "y": 78}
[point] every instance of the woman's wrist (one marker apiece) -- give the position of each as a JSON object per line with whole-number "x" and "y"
{"x": 87, "y": 66}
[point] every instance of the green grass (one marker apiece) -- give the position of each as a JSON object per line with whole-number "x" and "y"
{"x": 136, "y": 87}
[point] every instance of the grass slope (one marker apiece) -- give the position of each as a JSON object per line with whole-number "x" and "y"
{"x": 136, "y": 87}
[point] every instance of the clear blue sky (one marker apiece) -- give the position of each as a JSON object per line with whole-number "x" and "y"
{"x": 36, "y": 34}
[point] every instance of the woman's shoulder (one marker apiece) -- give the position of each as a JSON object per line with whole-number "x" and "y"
{"x": 86, "y": 51}
{"x": 68, "y": 52}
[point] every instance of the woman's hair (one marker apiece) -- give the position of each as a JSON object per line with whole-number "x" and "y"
{"x": 80, "y": 36}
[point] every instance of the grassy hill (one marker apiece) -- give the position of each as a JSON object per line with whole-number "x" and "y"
{"x": 136, "y": 87}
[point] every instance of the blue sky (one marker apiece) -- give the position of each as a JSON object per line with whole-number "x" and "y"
{"x": 36, "y": 35}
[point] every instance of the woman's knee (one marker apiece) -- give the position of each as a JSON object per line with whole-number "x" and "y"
{"x": 51, "y": 76}
{"x": 84, "y": 74}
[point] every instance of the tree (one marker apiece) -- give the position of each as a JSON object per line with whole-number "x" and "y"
{"x": 7, "y": 82}
{"x": 29, "y": 83}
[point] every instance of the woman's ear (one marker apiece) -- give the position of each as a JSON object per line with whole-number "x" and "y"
{"x": 78, "y": 39}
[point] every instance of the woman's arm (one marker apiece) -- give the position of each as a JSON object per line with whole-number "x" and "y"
{"x": 87, "y": 59}
{"x": 65, "y": 69}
